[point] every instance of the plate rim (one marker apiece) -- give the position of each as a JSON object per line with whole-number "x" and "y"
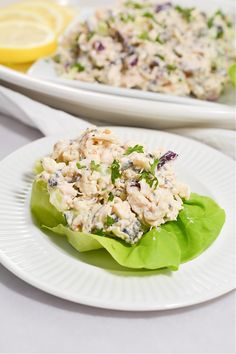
{"x": 118, "y": 109}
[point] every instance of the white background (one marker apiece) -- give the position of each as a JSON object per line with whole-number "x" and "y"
{"x": 34, "y": 322}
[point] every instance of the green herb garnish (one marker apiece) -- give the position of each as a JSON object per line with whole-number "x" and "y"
{"x": 210, "y": 21}
{"x": 151, "y": 16}
{"x": 90, "y": 35}
{"x": 159, "y": 40}
{"x": 79, "y": 166}
{"x": 109, "y": 221}
{"x": 153, "y": 166}
{"x": 79, "y": 67}
{"x": 220, "y": 13}
{"x": 160, "y": 56}
{"x": 185, "y": 12}
{"x": 171, "y": 67}
{"x": 115, "y": 171}
{"x": 94, "y": 166}
{"x": 149, "y": 176}
{"x": 144, "y": 35}
{"x": 151, "y": 180}
{"x": 219, "y": 32}
{"x": 134, "y": 5}
{"x": 136, "y": 148}
{"x": 126, "y": 18}
{"x": 99, "y": 232}
{"x": 111, "y": 197}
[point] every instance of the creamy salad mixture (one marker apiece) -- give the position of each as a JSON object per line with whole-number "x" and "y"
{"x": 153, "y": 46}
{"x": 106, "y": 187}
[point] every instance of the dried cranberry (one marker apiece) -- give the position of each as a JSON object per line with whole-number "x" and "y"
{"x": 99, "y": 46}
{"x": 134, "y": 62}
{"x": 162, "y": 7}
{"x": 168, "y": 156}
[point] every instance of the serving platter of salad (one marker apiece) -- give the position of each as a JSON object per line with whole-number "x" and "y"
{"x": 151, "y": 63}
{"x": 157, "y": 50}
{"x": 120, "y": 218}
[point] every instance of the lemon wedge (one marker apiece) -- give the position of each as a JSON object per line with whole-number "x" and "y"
{"x": 53, "y": 13}
{"x": 22, "y": 41}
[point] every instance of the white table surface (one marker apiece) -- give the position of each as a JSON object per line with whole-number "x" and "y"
{"x": 35, "y": 322}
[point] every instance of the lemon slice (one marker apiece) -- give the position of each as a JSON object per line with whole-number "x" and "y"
{"x": 65, "y": 11}
{"x": 22, "y": 42}
{"x": 11, "y": 14}
{"x": 48, "y": 10}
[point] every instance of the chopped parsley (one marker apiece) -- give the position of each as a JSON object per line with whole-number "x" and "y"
{"x": 150, "y": 179}
{"x": 219, "y": 32}
{"x": 224, "y": 18}
{"x": 135, "y": 5}
{"x": 79, "y": 166}
{"x": 171, "y": 67}
{"x": 210, "y": 22}
{"x": 136, "y": 148}
{"x": 99, "y": 232}
{"x": 90, "y": 35}
{"x": 219, "y": 13}
{"x": 110, "y": 197}
{"x": 185, "y": 12}
{"x": 94, "y": 166}
{"x": 153, "y": 166}
{"x": 149, "y": 176}
{"x": 115, "y": 171}
{"x": 144, "y": 35}
{"x": 151, "y": 16}
{"x": 109, "y": 220}
{"x": 160, "y": 56}
{"x": 126, "y": 18}
{"x": 79, "y": 67}
{"x": 159, "y": 40}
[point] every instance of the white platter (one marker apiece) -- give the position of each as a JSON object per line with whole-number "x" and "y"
{"x": 122, "y": 106}
{"x": 51, "y": 264}
{"x": 45, "y": 68}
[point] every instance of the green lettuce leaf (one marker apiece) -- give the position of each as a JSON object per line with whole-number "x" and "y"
{"x": 198, "y": 225}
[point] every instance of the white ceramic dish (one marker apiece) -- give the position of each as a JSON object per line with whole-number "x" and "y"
{"x": 136, "y": 108}
{"x": 45, "y": 68}
{"x": 52, "y": 265}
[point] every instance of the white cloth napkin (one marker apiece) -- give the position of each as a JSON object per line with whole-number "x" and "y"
{"x": 54, "y": 122}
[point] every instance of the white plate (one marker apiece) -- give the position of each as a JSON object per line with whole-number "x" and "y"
{"x": 135, "y": 108}
{"x": 52, "y": 265}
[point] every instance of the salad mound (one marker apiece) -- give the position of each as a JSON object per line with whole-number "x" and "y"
{"x": 101, "y": 193}
{"x": 151, "y": 45}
